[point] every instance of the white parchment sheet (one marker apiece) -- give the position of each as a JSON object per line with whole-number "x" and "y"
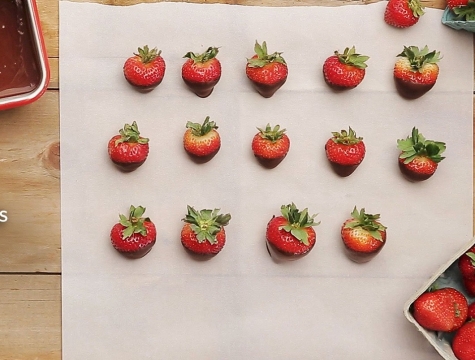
{"x": 240, "y": 304}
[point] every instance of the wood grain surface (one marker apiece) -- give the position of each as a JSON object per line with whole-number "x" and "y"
{"x": 30, "y": 245}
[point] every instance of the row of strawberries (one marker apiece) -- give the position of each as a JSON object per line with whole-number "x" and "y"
{"x": 418, "y": 159}
{"x": 415, "y": 72}
{"x": 447, "y": 309}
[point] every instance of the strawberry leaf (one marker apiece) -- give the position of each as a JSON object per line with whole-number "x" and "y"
{"x": 206, "y": 223}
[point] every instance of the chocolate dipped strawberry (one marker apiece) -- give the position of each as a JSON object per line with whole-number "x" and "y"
{"x": 443, "y": 309}
{"x": 128, "y": 150}
{"x": 345, "y": 70}
{"x": 270, "y": 145}
{"x": 135, "y": 235}
{"x": 267, "y": 72}
{"x": 363, "y": 236}
{"x": 291, "y": 235}
{"x": 202, "y": 141}
{"x": 203, "y": 232}
{"x": 419, "y": 157}
{"x": 201, "y": 72}
{"x": 345, "y": 151}
{"x": 416, "y": 71}
{"x": 145, "y": 70}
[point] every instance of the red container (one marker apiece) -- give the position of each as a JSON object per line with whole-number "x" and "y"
{"x": 24, "y": 68}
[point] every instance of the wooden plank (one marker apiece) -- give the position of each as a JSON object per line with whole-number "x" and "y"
{"x": 49, "y": 17}
{"x": 29, "y": 168}
{"x": 30, "y": 309}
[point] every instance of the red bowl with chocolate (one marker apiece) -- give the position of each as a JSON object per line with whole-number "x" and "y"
{"x": 24, "y": 68}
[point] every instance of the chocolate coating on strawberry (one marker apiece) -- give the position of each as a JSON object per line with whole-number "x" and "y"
{"x": 270, "y": 145}
{"x": 345, "y": 151}
{"x": 291, "y": 235}
{"x": 267, "y": 72}
{"x": 203, "y": 233}
{"x": 128, "y": 150}
{"x": 345, "y": 70}
{"x": 201, "y": 72}
{"x": 419, "y": 158}
{"x": 145, "y": 70}
{"x": 416, "y": 72}
{"x": 202, "y": 141}
{"x": 134, "y": 236}
{"x": 403, "y": 13}
{"x": 363, "y": 236}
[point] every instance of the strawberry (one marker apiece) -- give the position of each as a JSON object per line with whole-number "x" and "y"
{"x": 202, "y": 140}
{"x": 403, "y": 13}
{"x": 469, "y": 286}
{"x": 471, "y": 311}
{"x": 451, "y": 4}
{"x": 463, "y": 343}
{"x": 267, "y": 72}
{"x": 134, "y": 236}
{"x": 270, "y": 145}
{"x": 466, "y": 264}
{"x": 146, "y": 69}
{"x": 419, "y": 158}
{"x": 128, "y": 150}
{"x": 363, "y": 236}
{"x": 345, "y": 151}
{"x": 203, "y": 232}
{"x": 416, "y": 72}
{"x": 291, "y": 235}
{"x": 201, "y": 72}
{"x": 464, "y": 10}
{"x": 345, "y": 71}
{"x": 441, "y": 310}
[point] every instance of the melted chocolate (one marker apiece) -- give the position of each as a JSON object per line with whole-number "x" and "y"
{"x": 19, "y": 70}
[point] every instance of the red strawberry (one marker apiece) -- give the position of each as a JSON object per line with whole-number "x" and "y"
{"x": 291, "y": 235}
{"x": 128, "y": 150}
{"x": 403, "y": 13}
{"x": 345, "y": 71}
{"x": 441, "y": 310}
{"x": 270, "y": 145}
{"x": 266, "y": 72}
{"x": 363, "y": 236}
{"x": 134, "y": 236}
{"x": 469, "y": 286}
{"x": 471, "y": 311}
{"x": 203, "y": 232}
{"x": 146, "y": 69}
{"x": 345, "y": 151}
{"x": 466, "y": 264}
{"x": 464, "y": 10}
{"x": 419, "y": 157}
{"x": 451, "y": 4}
{"x": 202, "y": 140}
{"x": 416, "y": 72}
{"x": 201, "y": 72}
{"x": 463, "y": 343}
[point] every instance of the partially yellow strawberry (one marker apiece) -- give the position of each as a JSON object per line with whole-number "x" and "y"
{"x": 202, "y": 140}
{"x": 267, "y": 72}
{"x": 146, "y": 69}
{"x": 419, "y": 157}
{"x": 345, "y": 70}
{"x": 270, "y": 145}
{"x": 416, "y": 71}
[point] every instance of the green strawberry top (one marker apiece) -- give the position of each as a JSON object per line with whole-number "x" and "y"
{"x": 298, "y": 221}
{"x": 263, "y": 58}
{"x": 368, "y": 222}
{"x": 350, "y": 57}
{"x": 198, "y": 129}
{"x": 206, "y": 223}
{"x": 465, "y": 13}
{"x": 416, "y": 8}
{"x": 146, "y": 55}
{"x": 134, "y": 224}
{"x": 419, "y": 57}
{"x": 209, "y": 54}
{"x": 346, "y": 137}
{"x": 272, "y": 134}
{"x": 417, "y": 145}
{"x": 131, "y": 134}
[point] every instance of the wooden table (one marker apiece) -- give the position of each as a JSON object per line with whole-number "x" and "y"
{"x": 30, "y": 243}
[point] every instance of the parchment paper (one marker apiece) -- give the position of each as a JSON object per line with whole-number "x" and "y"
{"x": 241, "y": 304}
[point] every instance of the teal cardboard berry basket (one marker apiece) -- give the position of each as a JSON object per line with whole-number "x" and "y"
{"x": 448, "y": 18}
